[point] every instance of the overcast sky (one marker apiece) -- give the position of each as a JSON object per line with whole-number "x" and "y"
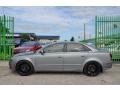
{"x": 62, "y": 21}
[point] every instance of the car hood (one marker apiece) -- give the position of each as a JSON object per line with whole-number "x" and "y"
{"x": 25, "y": 48}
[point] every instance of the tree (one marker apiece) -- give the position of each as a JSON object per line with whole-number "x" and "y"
{"x": 25, "y": 37}
{"x": 72, "y": 39}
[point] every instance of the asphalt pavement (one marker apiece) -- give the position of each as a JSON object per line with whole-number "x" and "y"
{"x": 108, "y": 77}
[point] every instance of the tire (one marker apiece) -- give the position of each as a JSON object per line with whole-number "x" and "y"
{"x": 24, "y": 68}
{"x": 92, "y": 69}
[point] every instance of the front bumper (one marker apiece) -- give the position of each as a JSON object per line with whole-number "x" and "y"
{"x": 11, "y": 65}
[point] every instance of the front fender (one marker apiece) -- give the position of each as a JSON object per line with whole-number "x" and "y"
{"x": 25, "y": 59}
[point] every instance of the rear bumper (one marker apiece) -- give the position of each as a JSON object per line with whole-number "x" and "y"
{"x": 107, "y": 66}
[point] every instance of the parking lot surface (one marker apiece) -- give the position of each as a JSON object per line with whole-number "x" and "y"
{"x": 111, "y": 76}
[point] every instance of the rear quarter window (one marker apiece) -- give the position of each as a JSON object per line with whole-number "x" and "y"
{"x": 76, "y": 47}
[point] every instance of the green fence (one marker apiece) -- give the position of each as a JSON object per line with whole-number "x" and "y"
{"x": 6, "y": 37}
{"x": 107, "y": 35}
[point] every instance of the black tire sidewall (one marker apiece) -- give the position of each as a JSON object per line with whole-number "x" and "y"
{"x": 27, "y": 73}
{"x": 92, "y": 63}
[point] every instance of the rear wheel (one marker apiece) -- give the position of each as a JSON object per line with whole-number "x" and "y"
{"x": 24, "y": 68}
{"x": 92, "y": 69}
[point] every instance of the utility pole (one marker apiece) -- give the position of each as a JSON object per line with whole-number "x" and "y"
{"x": 89, "y": 36}
{"x": 84, "y": 32}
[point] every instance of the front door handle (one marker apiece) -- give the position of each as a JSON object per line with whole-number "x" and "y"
{"x": 82, "y": 56}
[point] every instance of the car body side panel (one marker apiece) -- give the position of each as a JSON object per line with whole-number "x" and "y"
{"x": 63, "y": 61}
{"x": 49, "y": 62}
{"x": 17, "y": 59}
{"x": 100, "y": 57}
{"x": 74, "y": 60}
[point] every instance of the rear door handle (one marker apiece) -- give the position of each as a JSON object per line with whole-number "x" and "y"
{"x": 82, "y": 56}
{"x": 59, "y": 57}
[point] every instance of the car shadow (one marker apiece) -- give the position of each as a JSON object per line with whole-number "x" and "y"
{"x": 59, "y": 73}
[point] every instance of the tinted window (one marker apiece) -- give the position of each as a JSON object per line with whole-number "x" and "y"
{"x": 54, "y": 48}
{"x": 73, "y": 47}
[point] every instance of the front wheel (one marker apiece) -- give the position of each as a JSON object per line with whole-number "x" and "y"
{"x": 92, "y": 69}
{"x": 24, "y": 68}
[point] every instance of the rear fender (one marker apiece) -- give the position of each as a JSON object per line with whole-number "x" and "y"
{"x": 92, "y": 60}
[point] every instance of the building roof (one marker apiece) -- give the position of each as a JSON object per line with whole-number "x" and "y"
{"x": 49, "y": 37}
{"x": 18, "y": 35}
{"x": 24, "y": 33}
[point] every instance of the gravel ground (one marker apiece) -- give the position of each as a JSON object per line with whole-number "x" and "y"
{"x": 111, "y": 76}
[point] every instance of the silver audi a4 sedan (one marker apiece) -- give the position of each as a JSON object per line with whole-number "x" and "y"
{"x": 62, "y": 56}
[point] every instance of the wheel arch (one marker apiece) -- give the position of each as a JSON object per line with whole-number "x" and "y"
{"x": 93, "y": 60}
{"x": 27, "y": 61}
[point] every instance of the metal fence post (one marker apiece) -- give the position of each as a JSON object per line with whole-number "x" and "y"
{"x": 6, "y": 37}
{"x": 107, "y": 35}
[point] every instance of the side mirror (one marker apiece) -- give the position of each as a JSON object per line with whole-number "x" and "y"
{"x": 42, "y": 52}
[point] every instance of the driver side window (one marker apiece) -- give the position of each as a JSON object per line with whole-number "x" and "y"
{"x": 54, "y": 48}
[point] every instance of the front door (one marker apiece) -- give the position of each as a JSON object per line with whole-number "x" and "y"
{"x": 52, "y": 59}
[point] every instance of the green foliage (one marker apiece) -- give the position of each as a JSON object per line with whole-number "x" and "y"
{"x": 25, "y": 37}
{"x": 107, "y": 39}
{"x": 88, "y": 40}
{"x": 2, "y": 56}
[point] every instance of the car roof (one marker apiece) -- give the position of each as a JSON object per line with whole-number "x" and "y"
{"x": 62, "y": 42}
{"x": 30, "y": 41}
{"x": 68, "y": 42}
{"x": 93, "y": 49}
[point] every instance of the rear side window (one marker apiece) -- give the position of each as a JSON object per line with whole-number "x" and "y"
{"x": 75, "y": 47}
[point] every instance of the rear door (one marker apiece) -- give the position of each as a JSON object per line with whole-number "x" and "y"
{"x": 75, "y": 56}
